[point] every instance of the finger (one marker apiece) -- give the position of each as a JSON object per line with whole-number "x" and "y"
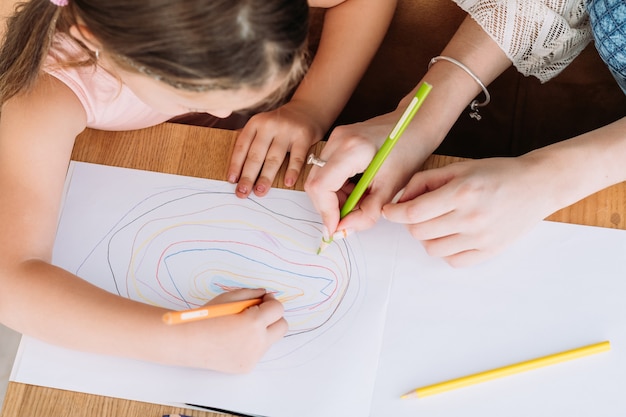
{"x": 446, "y": 225}
{"x": 244, "y": 187}
{"x": 249, "y": 174}
{"x": 357, "y": 220}
{"x": 254, "y": 163}
{"x": 240, "y": 151}
{"x": 427, "y": 181}
{"x": 262, "y": 186}
{"x": 268, "y": 312}
{"x": 467, "y": 258}
{"x": 424, "y": 197}
{"x": 453, "y": 244}
{"x": 445, "y": 246}
{"x": 423, "y": 207}
{"x": 277, "y": 330}
{"x": 368, "y": 210}
{"x": 325, "y": 185}
{"x": 297, "y": 157}
{"x": 273, "y": 161}
{"x": 471, "y": 257}
{"x": 238, "y": 295}
{"x": 327, "y": 205}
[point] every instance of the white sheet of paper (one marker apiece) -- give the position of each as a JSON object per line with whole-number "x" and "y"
{"x": 560, "y": 287}
{"x": 177, "y": 242}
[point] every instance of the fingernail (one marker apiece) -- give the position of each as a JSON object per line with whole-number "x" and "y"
{"x": 242, "y": 190}
{"x": 342, "y": 234}
{"x": 260, "y": 189}
{"x": 397, "y": 197}
{"x": 232, "y": 178}
{"x": 325, "y": 233}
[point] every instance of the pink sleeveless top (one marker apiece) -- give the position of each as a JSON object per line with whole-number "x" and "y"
{"x": 108, "y": 103}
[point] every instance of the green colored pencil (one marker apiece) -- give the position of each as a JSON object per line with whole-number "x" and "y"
{"x": 383, "y": 152}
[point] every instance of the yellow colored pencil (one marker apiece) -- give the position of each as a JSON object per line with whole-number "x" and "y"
{"x": 507, "y": 370}
{"x": 209, "y": 311}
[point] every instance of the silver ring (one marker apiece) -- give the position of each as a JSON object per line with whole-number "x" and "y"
{"x": 314, "y": 160}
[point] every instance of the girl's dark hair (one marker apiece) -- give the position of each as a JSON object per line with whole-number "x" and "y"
{"x": 196, "y": 45}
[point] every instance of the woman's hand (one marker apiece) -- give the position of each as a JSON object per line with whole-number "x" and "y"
{"x": 349, "y": 151}
{"x": 469, "y": 211}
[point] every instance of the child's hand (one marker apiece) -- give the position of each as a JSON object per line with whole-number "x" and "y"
{"x": 263, "y": 143}
{"x": 469, "y": 211}
{"x": 235, "y": 343}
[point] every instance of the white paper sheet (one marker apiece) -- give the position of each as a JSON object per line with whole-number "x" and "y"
{"x": 560, "y": 287}
{"x": 177, "y": 242}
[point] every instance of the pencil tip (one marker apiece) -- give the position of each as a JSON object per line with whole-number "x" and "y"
{"x": 325, "y": 243}
{"x": 323, "y": 246}
{"x": 409, "y": 395}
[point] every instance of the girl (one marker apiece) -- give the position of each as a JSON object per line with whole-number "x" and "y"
{"x": 126, "y": 64}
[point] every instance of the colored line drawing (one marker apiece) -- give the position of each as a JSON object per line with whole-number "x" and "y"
{"x": 178, "y": 247}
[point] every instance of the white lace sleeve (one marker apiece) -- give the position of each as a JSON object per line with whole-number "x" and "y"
{"x": 541, "y": 37}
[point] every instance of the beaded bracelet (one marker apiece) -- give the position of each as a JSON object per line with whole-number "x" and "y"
{"x": 475, "y": 104}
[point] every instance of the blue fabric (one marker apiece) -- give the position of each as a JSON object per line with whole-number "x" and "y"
{"x": 608, "y": 22}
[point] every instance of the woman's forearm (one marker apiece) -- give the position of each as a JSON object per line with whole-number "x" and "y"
{"x": 453, "y": 89}
{"x": 578, "y": 167}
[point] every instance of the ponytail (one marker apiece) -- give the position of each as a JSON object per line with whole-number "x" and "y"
{"x": 25, "y": 46}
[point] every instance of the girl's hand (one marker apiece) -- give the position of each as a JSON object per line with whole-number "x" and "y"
{"x": 469, "y": 211}
{"x": 263, "y": 143}
{"x": 235, "y": 343}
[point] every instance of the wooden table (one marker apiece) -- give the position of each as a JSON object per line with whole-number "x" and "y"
{"x": 203, "y": 152}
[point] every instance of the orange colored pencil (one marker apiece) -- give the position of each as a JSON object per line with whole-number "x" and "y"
{"x": 209, "y": 311}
